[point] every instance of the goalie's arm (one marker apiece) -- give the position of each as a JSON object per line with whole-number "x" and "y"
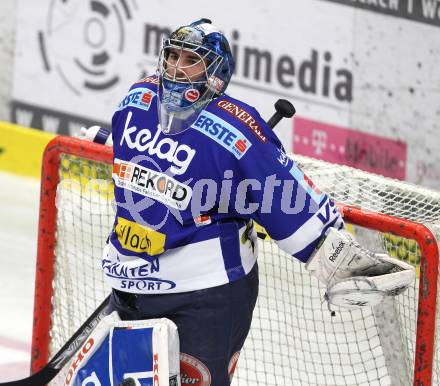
{"x": 292, "y": 210}
{"x": 306, "y": 224}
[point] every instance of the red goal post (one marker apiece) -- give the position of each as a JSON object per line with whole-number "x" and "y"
{"x": 45, "y": 331}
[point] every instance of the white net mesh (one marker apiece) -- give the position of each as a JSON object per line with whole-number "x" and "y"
{"x": 293, "y": 339}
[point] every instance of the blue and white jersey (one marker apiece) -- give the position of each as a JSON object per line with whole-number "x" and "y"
{"x": 186, "y": 202}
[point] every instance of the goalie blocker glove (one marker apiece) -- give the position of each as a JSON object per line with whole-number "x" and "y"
{"x": 354, "y": 276}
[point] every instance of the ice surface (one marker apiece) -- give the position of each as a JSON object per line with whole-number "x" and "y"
{"x": 19, "y": 201}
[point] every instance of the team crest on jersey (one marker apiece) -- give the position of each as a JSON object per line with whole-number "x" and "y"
{"x": 151, "y": 183}
{"x": 140, "y": 98}
{"x": 223, "y": 133}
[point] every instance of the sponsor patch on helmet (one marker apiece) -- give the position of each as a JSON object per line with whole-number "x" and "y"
{"x": 186, "y": 34}
{"x": 153, "y": 79}
{"x": 193, "y": 371}
{"x": 215, "y": 84}
{"x": 192, "y": 95}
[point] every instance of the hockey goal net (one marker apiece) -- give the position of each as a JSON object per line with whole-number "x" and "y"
{"x": 294, "y": 339}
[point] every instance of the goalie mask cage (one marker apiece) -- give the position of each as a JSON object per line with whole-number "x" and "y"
{"x": 294, "y": 339}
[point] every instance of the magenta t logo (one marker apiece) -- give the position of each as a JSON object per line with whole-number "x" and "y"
{"x": 350, "y": 147}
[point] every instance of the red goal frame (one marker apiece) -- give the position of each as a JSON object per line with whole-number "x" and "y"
{"x": 426, "y": 314}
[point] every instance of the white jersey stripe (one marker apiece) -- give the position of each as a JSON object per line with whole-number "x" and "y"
{"x": 188, "y": 268}
{"x": 309, "y": 231}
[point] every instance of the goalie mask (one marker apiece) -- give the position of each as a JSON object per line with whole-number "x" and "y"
{"x": 195, "y": 66}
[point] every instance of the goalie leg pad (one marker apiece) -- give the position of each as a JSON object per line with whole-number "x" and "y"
{"x": 131, "y": 352}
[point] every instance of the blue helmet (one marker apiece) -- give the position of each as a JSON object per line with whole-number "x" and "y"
{"x": 195, "y": 66}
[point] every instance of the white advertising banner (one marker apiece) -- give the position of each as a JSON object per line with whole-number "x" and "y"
{"x": 363, "y": 77}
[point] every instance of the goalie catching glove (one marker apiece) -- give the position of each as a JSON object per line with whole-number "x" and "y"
{"x": 354, "y": 276}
